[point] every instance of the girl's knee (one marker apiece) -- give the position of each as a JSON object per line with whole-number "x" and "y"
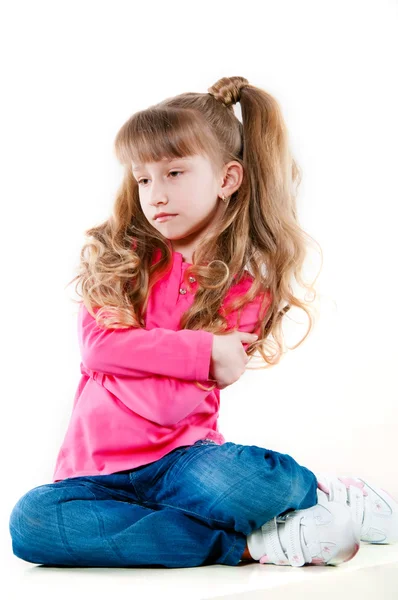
{"x": 303, "y": 489}
{"x": 26, "y": 520}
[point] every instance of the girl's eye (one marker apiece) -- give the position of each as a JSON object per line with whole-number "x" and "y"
{"x": 144, "y": 179}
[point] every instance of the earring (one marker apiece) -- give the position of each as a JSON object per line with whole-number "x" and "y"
{"x": 224, "y": 199}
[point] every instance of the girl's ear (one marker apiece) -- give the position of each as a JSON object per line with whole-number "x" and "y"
{"x": 232, "y": 178}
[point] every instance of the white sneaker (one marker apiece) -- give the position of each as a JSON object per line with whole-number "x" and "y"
{"x": 371, "y": 507}
{"x": 324, "y": 534}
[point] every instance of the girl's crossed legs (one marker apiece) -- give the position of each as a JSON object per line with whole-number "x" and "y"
{"x": 195, "y": 506}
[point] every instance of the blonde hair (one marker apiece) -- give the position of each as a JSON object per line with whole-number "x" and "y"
{"x": 258, "y": 232}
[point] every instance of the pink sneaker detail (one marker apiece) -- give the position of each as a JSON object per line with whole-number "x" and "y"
{"x": 266, "y": 559}
{"x": 317, "y": 561}
{"x": 349, "y": 481}
{"x": 356, "y": 549}
{"x": 323, "y": 488}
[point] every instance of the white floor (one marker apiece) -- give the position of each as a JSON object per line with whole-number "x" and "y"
{"x": 373, "y": 573}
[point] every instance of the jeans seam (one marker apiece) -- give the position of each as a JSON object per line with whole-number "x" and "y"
{"x": 135, "y": 487}
{"x": 231, "y": 549}
{"x": 99, "y": 521}
{"x": 61, "y": 527}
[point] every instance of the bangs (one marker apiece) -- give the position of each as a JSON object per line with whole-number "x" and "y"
{"x": 164, "y": 133}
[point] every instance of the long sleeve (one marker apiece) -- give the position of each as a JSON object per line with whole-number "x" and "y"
{"x": 160, "y": 399}
{"x": 249, "y": 316}
{"x": 183, "y": 354}
{"x": 164, "y": 399}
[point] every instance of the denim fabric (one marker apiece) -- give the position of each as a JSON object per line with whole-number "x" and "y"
{"x": 195, "y": 506}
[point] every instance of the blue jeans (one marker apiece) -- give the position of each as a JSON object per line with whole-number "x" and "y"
{"x": 195, "y": 506}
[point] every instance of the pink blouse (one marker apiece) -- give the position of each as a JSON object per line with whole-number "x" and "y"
{"x": 136, "y": 399}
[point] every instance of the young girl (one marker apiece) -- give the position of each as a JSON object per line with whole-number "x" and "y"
{"x": 169, "y": 309}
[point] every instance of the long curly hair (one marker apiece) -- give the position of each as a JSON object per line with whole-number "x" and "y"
{"x": 259, "y": 231}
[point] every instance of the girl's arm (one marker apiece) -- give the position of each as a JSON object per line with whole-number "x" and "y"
{"x": 183, "y": 354}
{"x": 163, "y": 400}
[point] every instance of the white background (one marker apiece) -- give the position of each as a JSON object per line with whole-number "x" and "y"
{"x": 71, "y": 74}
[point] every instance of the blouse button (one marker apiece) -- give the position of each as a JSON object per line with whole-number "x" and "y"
{"x": 183, "y": 291}
{"x": 192, "y": 279}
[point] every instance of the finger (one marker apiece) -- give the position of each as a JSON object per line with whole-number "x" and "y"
{"x": 248, "y": 334}
{"x": 244, "y": 355}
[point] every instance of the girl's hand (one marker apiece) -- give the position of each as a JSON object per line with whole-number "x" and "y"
{"x": 228, "y": 357}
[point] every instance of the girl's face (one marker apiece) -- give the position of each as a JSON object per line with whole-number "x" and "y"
{"x": 188, "y": 188}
